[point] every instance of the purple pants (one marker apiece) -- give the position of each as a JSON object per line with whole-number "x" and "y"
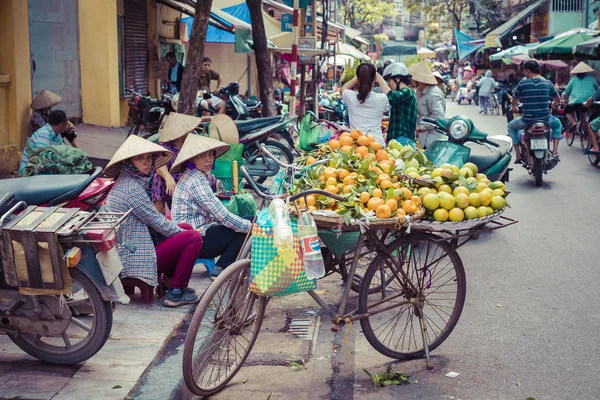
{"x": 177, "y": 255}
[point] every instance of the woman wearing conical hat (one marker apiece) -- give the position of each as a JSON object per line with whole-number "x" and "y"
{"x": 172, "y": 137}
{"x": 431, "y": 102}
{"x": 581, "y": 87}
{"x": 154, "y": 244}
{"x": 194, "y": 202}
{"x": 42, "y": 107}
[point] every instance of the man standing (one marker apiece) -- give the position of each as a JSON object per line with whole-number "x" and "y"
{"x": 207, "y": 75}
{"x": 534, "y": 92}
{"x": 175, "y": 73}
{"x": 50, "y": 134}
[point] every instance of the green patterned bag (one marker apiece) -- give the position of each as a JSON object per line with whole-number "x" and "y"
{"x": 275, "y": 272}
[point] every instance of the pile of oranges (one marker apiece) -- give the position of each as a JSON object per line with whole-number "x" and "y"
{"x": 363, "y": 172}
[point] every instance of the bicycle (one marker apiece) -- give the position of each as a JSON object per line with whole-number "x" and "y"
{"x": 582, "y": 118}
{"x": 494, "y": 104}
{"x": 409, "y": 301}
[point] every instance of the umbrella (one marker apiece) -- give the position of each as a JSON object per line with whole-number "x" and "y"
{"x": 506, "y": 55}
{"x": 349, "y": 50}
{"x": 425, "y": 52}
{"x": 550, "y": 64}
{"x": 563, "y": 44}
{"x": 394, "y": 48}
{"x": 588, "y": 48}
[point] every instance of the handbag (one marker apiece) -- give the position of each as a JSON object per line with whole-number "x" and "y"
{"x": 276, "y": 272}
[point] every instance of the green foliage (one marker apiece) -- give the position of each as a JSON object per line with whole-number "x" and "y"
{"x": 360, "y": 13}
{"x": 380, "y": 38}
{"x": 350, "y": 71}
{"x": 389, "y": 377}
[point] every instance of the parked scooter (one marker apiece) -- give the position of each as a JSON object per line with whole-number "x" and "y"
{"x": 536, "y": 156}
{"x": 146, "y": 114}
{"x": 466, "y": 143}
{"x": 83, "y": 191}
{"x": 72, "y": 319}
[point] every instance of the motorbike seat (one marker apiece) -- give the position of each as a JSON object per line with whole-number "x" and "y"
{"x": 48, "y": 189}
{"x": 484, "y": 156}
{"x": 251, "y": 103}
{"x": 257, "y": 123}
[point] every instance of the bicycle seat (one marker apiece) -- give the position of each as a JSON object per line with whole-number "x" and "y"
{"x": 48, "y": 189}
{"x": 257, "y": 123}
{"x": 485, "y": 156}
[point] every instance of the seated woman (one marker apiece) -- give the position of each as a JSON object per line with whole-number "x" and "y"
{"x": 365, "y": 107}
{"x": 194, "y": 202}
{"x": 133, "y": 165}
{"x": 172, "y": 137}
{"x": 42, "y": 107}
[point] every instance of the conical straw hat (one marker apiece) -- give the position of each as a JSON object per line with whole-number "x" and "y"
{"x": 581, "y": 68}
{"x": 468, "y": 68}
{"x": 135, "y": 146}
{"x": 45, "y": 99}
{"x": 195, "y": 145}
{"x": 438, "y": 75}
{"x": 421, "y": 73}
{"x": 222, "y": 128}
{"x": 178, "y": 125}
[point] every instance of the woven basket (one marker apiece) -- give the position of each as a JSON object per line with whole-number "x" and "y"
{"x": 223, "y": 171}
{"x": 470, "y": 224}
{"x": 339, "y": 243}
{"x": 335, "y": 221}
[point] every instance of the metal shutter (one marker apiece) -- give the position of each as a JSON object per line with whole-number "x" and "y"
{"x": 136, "y": 45}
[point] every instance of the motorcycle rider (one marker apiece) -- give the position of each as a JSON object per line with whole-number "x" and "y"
{"x": 534, "y": 92}
{"x": 403, "y": 111}
{"x": 594, "y": 125}
{"x": 580, "y": 88}
{"x": 207, "y": 75}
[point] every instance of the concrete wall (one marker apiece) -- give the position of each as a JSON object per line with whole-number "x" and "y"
{"x": 563, "y": 21}
{"x": 15, "y": 81}
{"x": 231, "y": 66}
{"x": 98, "y": 55}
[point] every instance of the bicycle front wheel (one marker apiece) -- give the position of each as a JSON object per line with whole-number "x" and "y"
{"x": 428, "y": 289}
{"x": 223, "y": 331}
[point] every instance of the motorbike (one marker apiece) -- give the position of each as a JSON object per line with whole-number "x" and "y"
{"x": 82, "y": 191}
{"x": 466, "y": 143}
{"x": 66, "y": 319}
{"x": 536, "y": 156}
{"x": 464, "y": 94}
{"x": 146, "y": 114}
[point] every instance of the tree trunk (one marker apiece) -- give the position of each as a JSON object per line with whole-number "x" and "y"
{"x": 263, "y": 59}
{"x": 191, "y": 75}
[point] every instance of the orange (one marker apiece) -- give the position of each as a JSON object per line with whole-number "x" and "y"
{"x": 340, "y": 185}
{"x": 355, "y": 134}
{"x": 310, "y": 160}
{"x": 392, "y": 204}
{"x": 385, "y": 184}
{"x": 409, "y": 206}
{"x": 416, "y": 200}
{"x": 369, "y": 156}
{"x": 371, "y": 138}
{"x": 363, "y": 141}
{"x": 385, "y": 166}
{"x": 334, "y": 144}
{"x": 347, "y": 189}
{"x": 383, "y": 177}
{"x": 365, "y": 196}
{"x": 348, "y": 180}
{"x": 300, "y": 200}
{"x": 382, "y": 155}
{"x": 383, "y": 211}
{"x": 375, "y": 145}
{"x": 312, "y": 208}
{"x": 396, "y": 185}
{"x": 332, "y": 189}
{"x": 376, "y": 169}
{"x": 331, "y": 181}
{"x": 329, "y": 172}
{"x": 347, "y": 149}
{"x": 342, "y": 173}
{"x": 361, "y": 150}
{"x": 377, "y": 193}
{"x": 400, "y": 213}
{"x": 353, "y": 174}
{"x": 346, "y": 141}
{"x": 406, "y": 193}
{"x": 373, "y": 203}
{"x": 311, "y": 200}
{"x": 344, "y": 134}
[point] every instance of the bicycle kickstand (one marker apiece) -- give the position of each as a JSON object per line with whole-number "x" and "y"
{"x": 428, "y": 363}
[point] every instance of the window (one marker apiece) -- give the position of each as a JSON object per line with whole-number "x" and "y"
{"x": 567, "y": 5}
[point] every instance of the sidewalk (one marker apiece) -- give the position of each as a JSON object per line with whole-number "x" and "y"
{"x": 138, "y": 335}
{"x": 100, "y": 142}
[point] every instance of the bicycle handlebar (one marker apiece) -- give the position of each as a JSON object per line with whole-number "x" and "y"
{"x": 263, "y": 148}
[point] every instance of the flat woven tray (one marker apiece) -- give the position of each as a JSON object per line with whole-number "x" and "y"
{"x": 470, "y": 224}
{"x": 334, "y": 221}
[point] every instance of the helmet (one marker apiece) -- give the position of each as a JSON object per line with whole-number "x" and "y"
{"x": 395, "y": 69}
{"x": 386, "y": 63}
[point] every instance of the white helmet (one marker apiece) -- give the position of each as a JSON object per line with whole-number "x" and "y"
{"x": 394, "y": 70}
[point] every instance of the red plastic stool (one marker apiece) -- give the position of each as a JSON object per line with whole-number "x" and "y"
{"x": 129, "y": 284}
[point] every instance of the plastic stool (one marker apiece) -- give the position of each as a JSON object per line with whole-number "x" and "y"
{"x": 209, "y": 263}
{"x": 147, "y": 291}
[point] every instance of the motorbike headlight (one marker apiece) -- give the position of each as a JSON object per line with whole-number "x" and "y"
{"x": 458, "y": 130}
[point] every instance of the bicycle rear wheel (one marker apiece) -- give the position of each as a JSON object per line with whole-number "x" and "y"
{"x": 435, "y": 286}
{"x": 223, "y": 331}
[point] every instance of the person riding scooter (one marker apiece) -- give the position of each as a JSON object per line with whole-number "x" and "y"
{"x": 534, "y": 93}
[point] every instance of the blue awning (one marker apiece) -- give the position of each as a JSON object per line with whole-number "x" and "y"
{"x": 462, "y": 44}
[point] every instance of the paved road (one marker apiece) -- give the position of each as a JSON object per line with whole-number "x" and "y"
{"x": 532, "y": 315}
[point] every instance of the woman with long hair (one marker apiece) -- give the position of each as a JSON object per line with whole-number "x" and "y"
{"x": 365, "y": 107}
